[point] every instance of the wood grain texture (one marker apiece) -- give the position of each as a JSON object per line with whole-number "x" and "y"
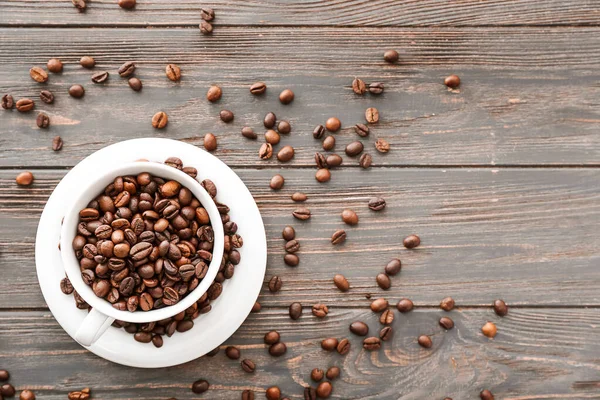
{"x": 526, "y": 235}
{"x": 312, "y": 12}
{"x": 528, "y": 97}
{"x": 537, "y": 354}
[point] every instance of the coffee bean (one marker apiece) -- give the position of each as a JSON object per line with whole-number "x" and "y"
{"x": 38, "y": 74}
{"x": 7, "y": 390}
{"x": 54, "y": 65}
{"x": 376, "y": 88}
{"x": 486, "y": 395}
{"x": 285, "y": 154}
{"x": 207, "y": 14}
{"x": 277, "y": 182}
{"x": 317, "y": 374}
{"x": 275, "y": 284}
{"x": 87, "y": 276}
{"x": 232, "y": 352}
{"x": 200, "y": 386}
{"x": 214, "y": 93}
{"x": 343, "y": 346}
{"x": 425, "y": 341}
{"x": 292, "y": 246}
{"x": 205, "y": 27}
{"x": 385, "y": 333}
{"x": 127, "y": 69}
{"x": 266, "y": 151}
{"x": 135, "y": 84}
{"x": 100, "y": 77}
{"x": 353, "y": 149}
{"x": 350, "y": 217}
{"x": 383, "y": 281}
{"x": 226, "y": 116}
{"x": 301, "y": 213}
{"x": 87, "y": 62}
{"x": 361, "y": 130}
{"x": 27, "y": 395}
{"x": 258, "y": 88}
{"x": 376, "y": 204}
{"x": 318, "y": 132}
{"x": 172, "y": 71}
{"x": 77, "y": 91}
{"x": 320, "y": 310}
{"x": 365, "y": 160}
{"x": 338, "y": 237}
{"x": 332, "y": 373}
{"x": 329, "y": 344}
{"x": 256, "y": 307}
{"x": 310, "y": 393}
{"x": 372, "y": 343}
{"x": 358, "y": 86}
{"x": 393, "y": 267}
{"x": 277, "y": 349}
{"x": 404, "y": 305}
{"x": 272, "y": 137}
{"x": 372, "y": 115}
{"x": 324, "y": 390}
{"x": 79, "y": 5}
{"x": 272, "y": 337}
{"x": 320, "y": 160}
{"x": 359, "y": 328}
{"x": 391, "y": 56}
{"x": 295, "y": 311}
{"x": 248, "y": 132}
{"x": 452, "y": 81}
{"x": 247, "y": 395}
{"x": 210, "y": 142}
{"x": 269, "y": 120}
{"x": 248, "y": 365}
{"x": 24, "y": 178}
{"x": 500, "y": 308}
{"x": 291, "y": 260}
{"x": 46, "y": 96}
{"x": 101, "y": 288}
{"x": 412, "y": 241}
{"x": 341, "y": 282}
{"x": 146, "y": 302}
{"x": 447, "y": 304}
{"x": 328, "y": 143}
{"x": 379, "y": 305}
{"x": 386, "y": 317}
{"x": 157, "y": 341}
{"x": 8, "y": 102}
{"x": 446, "y": 323}
{"x": 489, "y": 329}
{"x": 382, "y": 146}
{"x": 323, "y": 175}
{"x": 288, "y": 233}
{"x": 65, "y": 286}
{"x": 286, "y": 97}
{"x": 273, "y": 393}
{"x": 42, "y": 120}
{"x": 284, "y": 127}
{"x": 24, "y": 105}
{"x": 127, "y": 4}
{"x": 4, "y": 375}
{"x": 333, "y": 124}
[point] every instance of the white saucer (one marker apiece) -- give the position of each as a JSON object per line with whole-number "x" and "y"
{"x": 239, "y": 293}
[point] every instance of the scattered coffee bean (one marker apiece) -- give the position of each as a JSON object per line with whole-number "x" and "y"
{"x": 160, "y": 120}
{"x": 295, "y": 311}
{"x": 338, "y": 237}
{"x": 24, "y": 178}
{"x": 272, "y": 137}
{"x": 386, "y": 333}
{"x": 299, "y": 197}
{"x": 285, "y": 154}
{"x": 213, "y": 94}
{"x": 320, "y": 310}
{"x": 57, "y": 143}
{"x": 376, "y": 204}
{"x": 8, "y": 102}
{"x": 127, "y": 69}
{"x": 273, "y": 393}
{"x": 65, "y": 284}
{"x": 359, "y": 328}
{"x": 301, "y": 213}
{"x": 333, "y": 160}
{"x": 284, "y": 127}
{"x": 386, "y": 317}
{"x": 248, "y": 133}
{"x": 365, "y": 160}
{"x": 27, "y": 395}
{"x": 24, "y": 105}
{"x": 452, "y": 81}
{"x": 353, "y": 149}
{"x": 207, "y": 14}
{"x": 256, "y": 307}
{"x": 38, "y": 74}
{"x": 54, "y": 65}
{"x": 83, "y": 394}
{"x": 248, "y": 365}
{"x": 391, "y": 56}
{"x": 173, "y": 72}
{"x": 291, "y": 260}
{"x": 333, "y": 124}
{"x": 46, "y": 96}
{"x": 79, "y": 5}
{"x": 100, "y": 77}
{"x": 210, "y": 142}
{"x": 486, "y": 395}
{"x": 343, "y": 347}
{"x": 358, "y": 86}
{"x": 376, "y": 88}
{"x": 382, "y": 146}
{"x": 332, "y": 373}
{"x": 277, "y": 349}
{"x": 127, "y": 4}
{"x": 206, "y": 27}
{"x": 500, "y": 308}
{"x": 350, "y": 217}
{"x": 361, "y": 130}
{"x": 446, "y": 323}
{"x": 412, "y": 241}
{"x": 266, "y": 151}
{"x": 310, "y": 393}
{"x": 258, "y": 88}
{"x": 328, "y": 143}
{"x": 42, "y": 120}
{"x": 288, "y": 233}
{"x": 329, "y": 344}
{"x": 292, "y": 246}
{"x": 269, "y": 120}
{"x": 7, "y": 390}
{"x": 393, "y": 267}
{"x": 320, "y": 160}
{"x": 226, "y": 116}
{"x": 317, "y": 374}
{"x": 232, "y": 352}
{"x": 87, "y": 62}
{"x": 318, "y": 132}
{"x": 200, "y": 386}
{"x": 489, "y": 329}
{"x": 324, "y": 390}
{"x": 275, "y": 284}
{"x": 405, "y": 305}
{"x": 425, "y": 341}
{"x": 77, "y": 91}
{"x": 135, "y": 84}
{"x": 447, "y": 304}
{"x": 272, "y": 337}
{"x": 379, "y": 305}
{"x": 383, "y": 281}
{"x": 372, "y": 115}
{"x": 341, "y": 282}
{"x": 372, "y": 343}
{"x": 286, "y": 97}
{"x": 246, "y": 395}
{"x": 277, "y": 182}
{"x": 323, "y": 175}
{"x": 4, "y": 375}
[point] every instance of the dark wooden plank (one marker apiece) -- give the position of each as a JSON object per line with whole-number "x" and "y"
{"x": 313, "y": 12}
{"x": 538, "y": 353}
{"x": 526, "y": 235}
{"x": 527, "y": 96}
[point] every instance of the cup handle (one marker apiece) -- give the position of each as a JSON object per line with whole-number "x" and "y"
{"x": 93, "y": 326}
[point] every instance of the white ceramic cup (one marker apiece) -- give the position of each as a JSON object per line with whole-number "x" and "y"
{"x": 103, "y": 313}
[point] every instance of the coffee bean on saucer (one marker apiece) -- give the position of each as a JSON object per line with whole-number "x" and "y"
{"x": 411, "y": 241}
{"x": 341, "y": 282}
{"x": 350, "y": 217}
{"x": 248, "y": 365}
{"x": 46, "y": 96}
{"x": 329, "y": 344}
{"x": 206, "y": 27}
{"x": 207, "y": 14}
{"x": 372, "y": 343}
{"x": 54, "y": 65}
{"x": 160, "y": 120}
{"x": 100, "y": 77}
{"x": 358, "y": 86}
{"x": 447, "y": 304}
{"x": 359, "y": 328}
{"x": 385, "y": 333}
{"x": 386, "y": 317}
{"x": 275, "y": 284}
{"x": 226, "y": 116}
{"x": 343, "y": 346}
{"x": 286, "y": 97}
{"x": 500, "y": 308}
{"x": 393, "y": 267}
{"x": 258, "y": 88}
{"x": 489, "y": 329}
{"x": 87, "y": 62}
{"x": 376, "y": 88}
{"x": 277, "y": 349}
{"x": 249, "y": 133}
{"x": 272, "y": 337}
{"x": 383, "y": 281}
{"x": 320, "y": 310}
{"x": 372, "y": 115}
{"x": 38, "y": 74}
{"x": 425, "y": 341}
{"x": 332, "y": 373}
{"x": 379, "y": 305}
{"x": 210, "y": 142}
{"x": 391, "y": 56}
{"x": 173, "y": 72}
{"x": 446, "y": 323}
{"x": 452, "y": 81}
{"x": 127, "y": 69}
{"x": 135, "y": 84}
{"x": 295, "y": 311}
{"x": 214, "y": 93}
{"x": 333, "y": 124}
{"x": 328, "y": 143}
{"x": 157, "y": 341}
{"x": 277, "y": 182}
{"x": 338, "y": 237}
{"x": 486, "y": 395}
{"x": 377, "y": 204}
{"x": 405, "y": 305}
{"x": 200, "y": 386}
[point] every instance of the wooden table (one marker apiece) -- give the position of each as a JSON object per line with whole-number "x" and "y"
{"x": 500, "y": 180}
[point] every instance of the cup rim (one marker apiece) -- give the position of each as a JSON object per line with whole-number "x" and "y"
{"x": 91, "y": 189}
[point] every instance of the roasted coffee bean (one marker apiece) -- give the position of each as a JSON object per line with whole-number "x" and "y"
{"x": 338, "y": 237}
{"x": 385, "y": 333}
{"x": 24, "y": 105}
{"x": 214, "y": 93}
{"x": 372, "y": 115}
{"x": 489, "y": 329}
{"x": 135, "y": 84}
{"x": 452, "y": 81}
{"x": 324, "y": 390}
{"x": 350, "y": 217}
{"x": 273, "y": 393}
{"x": 272, "y": 137}
{"x": 285, "y": 154}
{"x": 146, "y": 302}
{"x": 173, "y": 72}
{"x": 425, "y": 341}
{"x": 447, "y": 304}
{"x": 65, "y": 286}
{"x": 157, "y": 341}
{"x": 206, "y": 27}
{"x": 143, "y": 337}
{"x": 210, "y": 142}
{"x": 7, "y": 390}
{"x": 353, "y": 149}
{"x": 87, "y": 276}
{"x": 332, "y": 160}
{"x": 328, "y": 143}
{"x": 386, "y": 317}
{"x": 317, "y": 374}
{"x": 358, "y": 86}
{"x": 288, "y": 233}
{"x": 27, "y": 395}
{"x": 100, "y": 77}
{"x": 310, "y": 393}
{"x": 226, "y": 116}
{"x": 38, "y": 74}
{"x": 376, "y": 88}
{"x": 320, "y": 310}
{"x": 83, "y": 394}
{"x": 79, "y": 5}
{"x": 500, "y": 308}
{"x": 486, "y": 395}
{"x": 191, "y": 171}
{"x": 383, "y": 281}
{"x": 46, "y": 96}
{"x": 200, "y": 386}
{"x": 365, "y": 160}
{"x": 101, "y": 288}
{"x": 404, "y": 305}
{"x": 393, "y": 267}
{"x": 301, "y": 213}
{"x": 391, "y": 56}
{"x": 379, "y": 305}
{"x": 333, "y": 124}
{"x": 292, "y": 246}
{"x": 207, "y": 14}
{"x": 361, "y": 130}
{"x": 299, "y": 197}
{"x": 284, "y": 127}
{"x": 24, "y": 179}
{"x": 127, "y": 4}
{"x": 359, "y": 328}
{"x": 341, "y": 282}
{"x": 42, "y": 121}
{"x": 286, "y": 96}
{"x": 277, "y": 182}
{"x": 87, "y": 62}
{"x": 232, "y": 352}
{"x": 8, "y": 102}
{"x": 277, "y": 349}
{"x": 160, "y": 120}
{"x": 248, "y": 365}
{"x": 77, "y": 91}
{"x": 258, "y": 88}
{"x": 295, "y": 311}
{"x": 372, "y": 343}
{"x": 377, "y": 204}
{"x": 320, "y": 160}
{"x": 329, "y": 344}
{"x": 382, "y": 146}
{"x": 127, "y": 69}
{"x": 249, "y": 133}
{"x": 318, "y": 132}
{"x": 54, "y": 65}
{"x": 184, "y": 326}
{"x": 275, "y": 284}
{"x": 269, "y": 120}
{"x": 412, "y": 241}
{"x": 343, "y": 346}
{"x": 323, "y": 175}
{"x": 266, "y": 151}
{"x": 57, "y": 143}
{"x": 446, "y": 323}
{"x": 272, "y": 337}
